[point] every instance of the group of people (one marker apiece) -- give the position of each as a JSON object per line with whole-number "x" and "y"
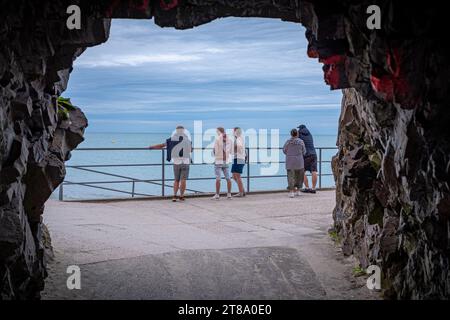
{"x": 300, "y": 157}
{"x": 226, "y": 151}
{"x": 299, "y": 150}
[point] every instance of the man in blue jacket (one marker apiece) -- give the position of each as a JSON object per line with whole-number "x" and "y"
{"x": 310, "y": 158}
{"x": 179, "y": 148}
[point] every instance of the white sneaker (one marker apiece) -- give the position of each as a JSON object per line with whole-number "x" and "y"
{"x": 291, "y": 195}
{"x": 229, "y": 196}
{"x": 298, "y": 193}
{"x": 216, "y": 197}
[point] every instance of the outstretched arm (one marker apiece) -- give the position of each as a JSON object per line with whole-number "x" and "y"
{"x": 157, "y": 146}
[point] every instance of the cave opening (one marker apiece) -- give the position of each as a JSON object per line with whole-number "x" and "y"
{"x": 145, "y": 80}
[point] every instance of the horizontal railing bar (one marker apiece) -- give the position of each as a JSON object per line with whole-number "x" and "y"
{"x": 97, "y": 182}
{"x": 168, "y": 164}
{"x": 106, "y": 173}
{"x": 109, "y": 189}
{"x": 189, "y": 179}
{"x": 113, "y": 165}
{"x": 148, "y": 149}
{"x": 161, "y": 182}
{"x": 130, "y": 178}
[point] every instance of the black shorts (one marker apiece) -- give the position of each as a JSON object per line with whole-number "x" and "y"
{"x": 238, "y": 166}
{"x": 311, "y": 163}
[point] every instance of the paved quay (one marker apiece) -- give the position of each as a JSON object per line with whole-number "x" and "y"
{"x": 264, "y": 246}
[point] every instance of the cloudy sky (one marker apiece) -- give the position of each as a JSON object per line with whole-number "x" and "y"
{"x": 253, "y": 73}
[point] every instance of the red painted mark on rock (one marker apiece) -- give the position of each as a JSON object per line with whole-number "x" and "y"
{"x": 332, "y": 76}
{"x": 334, "y": 71}
{"x": 394, "y": 86}
{"x": 384, "y": 86}
{"x": 312, "y": 52}
{"x": 168, "y": 4}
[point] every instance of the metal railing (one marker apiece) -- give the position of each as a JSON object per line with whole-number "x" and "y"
{"x": 163, "y": 182}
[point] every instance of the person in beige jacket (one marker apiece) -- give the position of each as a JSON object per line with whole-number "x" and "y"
{"x": 223, "y": 147}
{"x": 239, "y": 159}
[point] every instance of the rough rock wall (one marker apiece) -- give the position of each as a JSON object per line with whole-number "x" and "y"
{"x": 36, "y": 55}
{"x": 392, "y": 169}
{"x": 392, "y": 208}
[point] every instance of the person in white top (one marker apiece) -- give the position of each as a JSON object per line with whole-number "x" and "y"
{"x": 179, "y": 149}
{"x": 223, "y": 147}
{"x": 239, "y": 156}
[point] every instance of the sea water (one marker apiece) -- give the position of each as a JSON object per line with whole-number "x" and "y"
{"x": 116, "y": 182}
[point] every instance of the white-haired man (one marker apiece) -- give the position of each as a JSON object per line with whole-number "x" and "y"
{"x": 179, "y": 149}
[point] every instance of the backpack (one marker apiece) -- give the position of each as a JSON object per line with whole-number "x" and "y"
{"x": 170, "y": 144}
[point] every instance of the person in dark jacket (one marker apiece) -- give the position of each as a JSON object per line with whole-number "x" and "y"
{"x": 310, "y": 158}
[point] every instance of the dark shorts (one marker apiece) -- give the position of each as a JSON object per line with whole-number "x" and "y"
{"x": 237, "y": 167}
{"x": 311, "y": 163}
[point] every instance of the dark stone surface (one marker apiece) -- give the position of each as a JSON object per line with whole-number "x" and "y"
{"x": 392, "y": 169}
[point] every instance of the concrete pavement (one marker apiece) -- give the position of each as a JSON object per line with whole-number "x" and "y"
{"x": 259, "y": 247}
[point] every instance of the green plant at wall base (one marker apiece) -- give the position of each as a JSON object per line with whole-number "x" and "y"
{"x": 359, "y": 272}
{"x": 64, "y": 108}
{"x": 334, "y": 236}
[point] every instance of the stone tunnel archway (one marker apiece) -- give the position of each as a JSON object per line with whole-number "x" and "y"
{"x": 392, "y": 169}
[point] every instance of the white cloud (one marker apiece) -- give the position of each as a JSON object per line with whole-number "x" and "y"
{"x": 254, "y": 69}
{"x": 226, "y": 49}
{"x": 134, "y": 60}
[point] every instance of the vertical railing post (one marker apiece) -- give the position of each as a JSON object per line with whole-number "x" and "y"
{"x": 61, "y": 192}
{"x": 163, "y": 173}
{"x": 248, "y": 169}
{"x": 132, "y": 189}
{"x": 320, "y": 168}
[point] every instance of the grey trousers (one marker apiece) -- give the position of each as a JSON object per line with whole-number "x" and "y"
{"x": 295, "y": 178}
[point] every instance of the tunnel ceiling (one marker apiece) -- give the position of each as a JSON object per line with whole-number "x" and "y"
{"x": 391, "y": 171}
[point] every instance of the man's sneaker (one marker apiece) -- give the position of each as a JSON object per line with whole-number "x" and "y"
{"x": 174, "y": 199}
{"x": 216, "y": 197}
{"x": 182, "y": 198}
{"x": 228, "y": 195}
{"x": 312, "y": 190}
{"x": 239, "y": 195}
{"x": 298, "y": 193}
{"x": 305, "y": 190}
{"x": 291, "y": 195}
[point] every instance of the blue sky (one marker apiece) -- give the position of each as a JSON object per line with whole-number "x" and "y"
{"x": 252, "y": 73}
